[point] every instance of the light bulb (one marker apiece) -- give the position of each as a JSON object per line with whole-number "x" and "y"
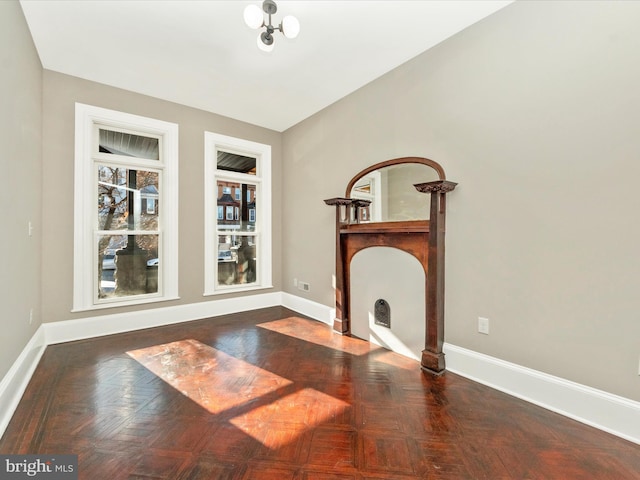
{"x": 253, "y": 16}
{"x": 263, "y": 46}
{"x": 290, "y": 26}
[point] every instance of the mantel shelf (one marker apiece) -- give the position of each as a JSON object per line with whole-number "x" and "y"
{"x": 411, "y": 226}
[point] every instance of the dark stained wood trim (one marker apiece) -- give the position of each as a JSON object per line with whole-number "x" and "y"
{"x": 396, "y": 161}
{"x": 341, "y": 321}
{"x": 415, "y": 226}
{"x": 420, "y": 238}
{"x": 432, "y": 355}
{"x": 413, "y": 242}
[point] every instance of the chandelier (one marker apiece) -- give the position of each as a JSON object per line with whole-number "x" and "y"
{"x": 253, "y": 17}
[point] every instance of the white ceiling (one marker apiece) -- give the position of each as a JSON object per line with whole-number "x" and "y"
{"x": 201, "y": 54}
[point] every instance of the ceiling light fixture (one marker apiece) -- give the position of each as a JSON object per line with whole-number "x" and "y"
{"x": 253, "y": 17}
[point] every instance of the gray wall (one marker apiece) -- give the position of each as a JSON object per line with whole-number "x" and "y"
{"x": 535, "y": 111}
{"x": 60, "y": 94}
{"x": 20, "y": 194}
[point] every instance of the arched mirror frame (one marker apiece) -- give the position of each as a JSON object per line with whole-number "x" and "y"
{"x": 396, "y": 161}
{"x": 424, "y": 239}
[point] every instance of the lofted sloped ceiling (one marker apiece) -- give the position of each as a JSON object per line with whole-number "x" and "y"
{"x": 201, "y": 54}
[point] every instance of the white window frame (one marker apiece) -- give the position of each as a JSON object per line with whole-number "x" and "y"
{"x": 87, "y": 157}
{"x": 213, "y": 142}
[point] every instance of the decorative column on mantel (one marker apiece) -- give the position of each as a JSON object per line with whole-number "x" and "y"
{"x": 347, "y": 212}
{"x": 432, "y": 355}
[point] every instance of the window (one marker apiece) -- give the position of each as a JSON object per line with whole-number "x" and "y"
{"x": 238, "y": 245}
{"x": 125, "y": 219}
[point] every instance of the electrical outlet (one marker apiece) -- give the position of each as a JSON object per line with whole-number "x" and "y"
{"x": 30, "y": 316}
{"x": 295, "y": 282}
{"x": 30, "y": 229}
{"x": 483, "y": 325}
{"x": 304, "y": 286}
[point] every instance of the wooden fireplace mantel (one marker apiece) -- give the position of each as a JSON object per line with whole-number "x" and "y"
{"x": 424, "y": 239}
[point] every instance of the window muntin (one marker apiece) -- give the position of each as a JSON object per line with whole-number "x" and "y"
{"x": 127, "y": 264}
{"x": 125, "y": 234}
{"x": 237, "y": 254}
{"x": 238, "y": 246}
{"x": 127, "y": 198}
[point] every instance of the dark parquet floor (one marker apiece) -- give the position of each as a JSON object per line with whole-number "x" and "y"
{"x": 271, "y": 395}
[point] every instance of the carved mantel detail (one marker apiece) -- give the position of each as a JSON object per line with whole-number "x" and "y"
{"x": 338, "y": 201}
{"x": 439, "y": 186}
{"x": 421, "y": 238}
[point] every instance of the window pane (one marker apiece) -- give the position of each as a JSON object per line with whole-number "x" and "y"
{"x": 129, "y": 145}
{"x": 236, "y": 259}
{"x": 232, "y": 162}
{"x": 127, "y": 199}
{"x": 239, "y": 213}
{"x": 127, "y": 265}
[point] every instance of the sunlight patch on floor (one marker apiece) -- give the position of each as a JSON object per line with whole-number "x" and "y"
{"x": 213, "y": 379}
{"x": 294, "y": 414}
{"x": 319, "y": 334}
{"x": 397, "y": 360}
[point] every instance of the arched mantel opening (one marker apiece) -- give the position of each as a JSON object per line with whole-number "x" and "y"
{"x": 387, "y": 300}
{"x": 361, "y": 223}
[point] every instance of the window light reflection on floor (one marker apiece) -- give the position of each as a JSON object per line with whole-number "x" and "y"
{"x": 219, "y": 383}
{"x": 213, "y": 379}
{"x": 296, "y": 412}
{"x": 320, "y": 334}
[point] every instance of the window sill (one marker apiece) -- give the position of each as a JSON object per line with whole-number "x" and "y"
{"x": 238, "y": 289}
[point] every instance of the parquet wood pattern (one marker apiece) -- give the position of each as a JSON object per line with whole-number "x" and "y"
{"x": 271, "y": 395}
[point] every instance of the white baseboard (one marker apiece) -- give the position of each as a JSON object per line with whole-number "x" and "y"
{"x": 70, "y": 330}
{"x": 616, "y": 415}
{"x": 317, "y": 311}
{"x": 15, "y": 382}
{"x": 605, "y": 411}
